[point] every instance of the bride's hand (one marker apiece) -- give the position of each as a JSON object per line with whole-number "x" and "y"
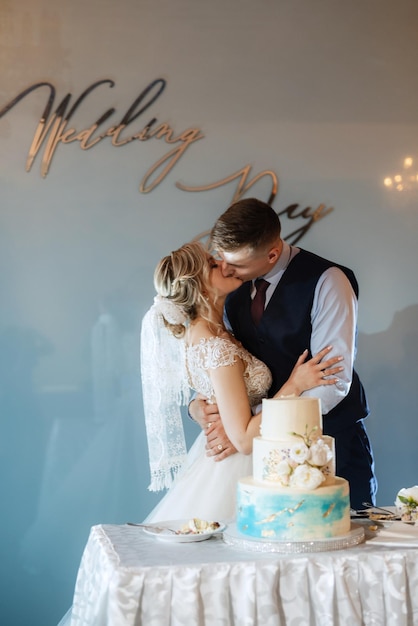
{"x": 218, "y": 445}
{"x": 315, "y": 372}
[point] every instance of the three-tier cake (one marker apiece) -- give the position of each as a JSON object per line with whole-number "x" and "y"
{"x": 293, "y": 494}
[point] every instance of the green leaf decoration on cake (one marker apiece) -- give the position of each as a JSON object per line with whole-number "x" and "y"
{"x": 307, "y": 437}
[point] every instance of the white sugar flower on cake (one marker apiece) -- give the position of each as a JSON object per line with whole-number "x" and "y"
{"x": 299, "y": 452}
{"x": 306, "y": 477}
{"x": 320, "y": 453}
{"x": 305, "y": 466}
{"x": 282, "y": 470}
{"x": 407, "y": 504}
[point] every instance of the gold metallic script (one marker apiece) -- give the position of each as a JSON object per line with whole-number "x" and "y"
{"x": 53, "y": 129}
{"x": 309, "y": 215}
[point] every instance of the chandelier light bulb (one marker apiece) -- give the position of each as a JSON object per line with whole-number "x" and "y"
{"x": 405, "y": 181}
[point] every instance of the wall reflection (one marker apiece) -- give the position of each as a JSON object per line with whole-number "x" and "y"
{"x": 78, "y": 455}
{"x": 23, "y": 428}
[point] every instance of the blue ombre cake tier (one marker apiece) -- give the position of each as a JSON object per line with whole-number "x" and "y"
{"x": 265, "y": 511}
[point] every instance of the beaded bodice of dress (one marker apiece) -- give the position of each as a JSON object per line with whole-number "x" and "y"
{"x": 219, "y": 352}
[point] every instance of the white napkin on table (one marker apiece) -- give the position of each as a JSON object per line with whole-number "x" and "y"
{"x": 397, "y": 533}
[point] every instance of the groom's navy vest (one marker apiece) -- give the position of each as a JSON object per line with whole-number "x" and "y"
{"x": 285, "y": 331}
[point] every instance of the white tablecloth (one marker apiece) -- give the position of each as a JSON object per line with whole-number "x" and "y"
{"x": 127, "y": 578}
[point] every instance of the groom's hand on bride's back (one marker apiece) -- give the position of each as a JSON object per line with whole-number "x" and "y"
{"x": 207, "y": 416}
{"x": 200, "y": 411}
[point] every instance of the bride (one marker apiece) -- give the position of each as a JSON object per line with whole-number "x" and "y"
{"x": 184, "y": 344}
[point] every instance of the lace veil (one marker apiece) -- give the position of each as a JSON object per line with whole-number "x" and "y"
{"x": 164, "y": 389}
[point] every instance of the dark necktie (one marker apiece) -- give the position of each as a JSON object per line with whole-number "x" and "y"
{"x": 259, "y": 300}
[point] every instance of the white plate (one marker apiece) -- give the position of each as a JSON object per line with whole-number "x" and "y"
{"x": 176, "y": 525}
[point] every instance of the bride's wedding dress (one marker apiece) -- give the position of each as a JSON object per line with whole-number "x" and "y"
{"x": 205, "y": 488}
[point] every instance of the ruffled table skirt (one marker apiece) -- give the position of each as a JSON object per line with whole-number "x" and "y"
{"x": 127, "y": 578}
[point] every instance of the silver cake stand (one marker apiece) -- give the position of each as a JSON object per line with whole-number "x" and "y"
{"x": 233, "y": 537}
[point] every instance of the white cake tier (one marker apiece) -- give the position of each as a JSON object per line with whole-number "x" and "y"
{"x": 282, "y": 416}
{"x": 269, "y": 455}
{"x": 269, "y": 512}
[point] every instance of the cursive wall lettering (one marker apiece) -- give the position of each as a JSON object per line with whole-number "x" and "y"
{"x": 53, "y": 129}
{"x": 308, "y": 215}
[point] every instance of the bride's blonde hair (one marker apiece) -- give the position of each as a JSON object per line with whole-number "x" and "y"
{"x": 183, "y": 277}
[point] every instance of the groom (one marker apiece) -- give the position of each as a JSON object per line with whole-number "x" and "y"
{"x": 310, "y": 302}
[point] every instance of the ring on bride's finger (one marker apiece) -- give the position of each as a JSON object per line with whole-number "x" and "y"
{"x": 209, "y": 424}
{"x": 220, "y": 446}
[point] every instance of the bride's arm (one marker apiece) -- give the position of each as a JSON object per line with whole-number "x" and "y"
{"x": 233, "y": 405}
{"x": 232, "y": 400}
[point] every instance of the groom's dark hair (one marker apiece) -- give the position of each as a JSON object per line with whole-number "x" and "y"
{"x": 248, "y": 222}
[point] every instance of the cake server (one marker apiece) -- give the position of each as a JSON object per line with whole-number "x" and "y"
{"x": 374, "y": 513}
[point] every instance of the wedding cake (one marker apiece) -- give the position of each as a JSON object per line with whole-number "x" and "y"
{"x": 293, "y": 494}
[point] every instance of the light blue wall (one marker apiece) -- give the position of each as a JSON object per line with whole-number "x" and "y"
{"x": 324, "y": 94}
